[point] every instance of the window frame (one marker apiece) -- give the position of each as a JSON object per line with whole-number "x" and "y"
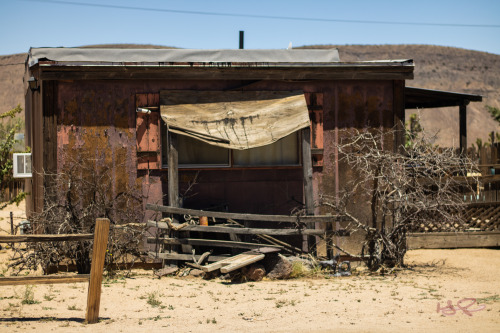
{"x": 231, "y": 164}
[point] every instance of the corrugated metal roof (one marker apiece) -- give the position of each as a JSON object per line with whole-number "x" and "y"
{"x": 150, "y": 56}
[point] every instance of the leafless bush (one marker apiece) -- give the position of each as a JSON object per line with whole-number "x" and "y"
{"x": 401, "y": 191}
{"x": 74, "y": 199}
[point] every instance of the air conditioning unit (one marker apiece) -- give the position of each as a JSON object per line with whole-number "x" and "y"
{"x": 22, "y": 165}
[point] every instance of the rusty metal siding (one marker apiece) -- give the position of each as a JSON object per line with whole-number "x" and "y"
{"x": 99, "y": 116}
{"x": 148, "y": 133}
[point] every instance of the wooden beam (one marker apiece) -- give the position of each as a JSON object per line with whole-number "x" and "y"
{"x": 243, "y": 261}
{"x": 245, "y": 231}
{"x": 22, "y": 280}
{"x": 307, "y": 173}
{"x": 237, "y": 260}
{"x": 248, "y": 217}
{"x": 44, "y": 238}
{"x": 210, "y": 242}
{"x": 463, "y": 126}
{"x": 173, "y": 169}
{"x": 452, "y": 240}
{"x": 483, "y": 204}
{"x": 395, "y": 71}
{"x": 307, "y": 170}
{"x": 398, "y": 108}
{"x": 185, "y": 257}
{"x": 98, "y": 256}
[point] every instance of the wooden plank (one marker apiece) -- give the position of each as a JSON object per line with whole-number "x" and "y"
{"x": 398, "y": 108}
{"x": 243, "y": 231}
{"x": 247, "y": 217}
{"x": 22, "y": 280}
{"x": 224, "y": 262}
{"x": 98, "y": 256}
{"x": 376, "y": 71}
{"x": 307, "y": 171}
{"x": 483, "y": 204}
{"x": 180, "y": 256}
{"x": 463, "y": 127}
{"x": 451, "y": 240}
{"x": 44, "y": 238}
{"x": 210, "y": 242}
{"x": 173, "y": 170}
{"x": 242, "y": 262}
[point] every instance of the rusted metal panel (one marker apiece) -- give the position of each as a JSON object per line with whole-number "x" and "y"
{"x": 100, "y": 116}
{"x": 315, "y": 106}
{"x": 148, "y": 132}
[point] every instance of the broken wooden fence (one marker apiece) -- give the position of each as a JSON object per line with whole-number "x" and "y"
{"x": 94, "y": 278}
{"x": 304, "y": 226}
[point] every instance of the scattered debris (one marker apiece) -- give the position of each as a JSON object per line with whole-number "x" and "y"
{"x": 254, "y": 272}
{"x": 278, "y": 267}
{"x": 344, "y": 269}
{"x": 166, "y": 271}
{"x": 196, "y": 272}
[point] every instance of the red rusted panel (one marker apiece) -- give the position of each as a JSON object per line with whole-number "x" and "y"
{"x": 111, "y": 132}
{"x": 148, "y": 133}
{"x": 315, "y": 105}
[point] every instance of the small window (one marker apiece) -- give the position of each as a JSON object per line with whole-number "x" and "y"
{"x": 196, "y": 153}
{"x": 21, "y": 165}
{"x": 283, "y": 152}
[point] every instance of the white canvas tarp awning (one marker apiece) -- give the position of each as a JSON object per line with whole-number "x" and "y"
{"x": 234, "y": 119}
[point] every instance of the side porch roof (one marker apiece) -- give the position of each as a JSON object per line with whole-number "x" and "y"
{"x": 429, "y": 98}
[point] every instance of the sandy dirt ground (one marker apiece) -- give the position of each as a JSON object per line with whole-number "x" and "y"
{"x": 443, "y": 291}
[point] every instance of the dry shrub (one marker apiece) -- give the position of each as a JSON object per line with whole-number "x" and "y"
{"x": 74, "y": 198}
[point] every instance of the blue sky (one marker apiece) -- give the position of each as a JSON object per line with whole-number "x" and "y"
{"x": 40, "y": 23}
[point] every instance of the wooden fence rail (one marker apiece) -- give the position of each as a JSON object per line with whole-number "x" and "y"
{"x": 180, "y": 238}
{"x": 94, "y": 278}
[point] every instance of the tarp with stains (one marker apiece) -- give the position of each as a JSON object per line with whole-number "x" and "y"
{"x": 235, "y": 119}
{"x": 300, "y": 57}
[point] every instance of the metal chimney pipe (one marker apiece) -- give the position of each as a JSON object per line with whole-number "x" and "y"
{"x": 242, "y": 37}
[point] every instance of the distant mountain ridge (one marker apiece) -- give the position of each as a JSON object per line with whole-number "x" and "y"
{"x": 436, "y": 67}
{"x": 443, "y": 68}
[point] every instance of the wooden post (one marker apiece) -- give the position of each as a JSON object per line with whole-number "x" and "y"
{"x": 173, "y": 182}
{"x": 11, "y": 223}
{"x": 307, "y": 170}
{"x": 308, "y": 183}
{"x": 173, "y": 170}
{"x": 399, "y": 114}
{"x": 463, "y": 127}
{"x": 98, "y": 256}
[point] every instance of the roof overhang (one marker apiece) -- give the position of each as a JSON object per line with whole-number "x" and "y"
{"x": 427, "y": 98}
{"x": 78, "y": 63}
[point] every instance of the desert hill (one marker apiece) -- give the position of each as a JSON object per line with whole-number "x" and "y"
{"x": 443, "y": 68}
{"x": 436, "y": 67}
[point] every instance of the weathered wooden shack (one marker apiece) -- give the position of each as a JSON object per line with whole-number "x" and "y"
{"x": 255, "y": 126}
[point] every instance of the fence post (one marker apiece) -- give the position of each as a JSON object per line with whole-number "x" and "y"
{"x": 98, "y": 256}
{"x": 11, "y": 223}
